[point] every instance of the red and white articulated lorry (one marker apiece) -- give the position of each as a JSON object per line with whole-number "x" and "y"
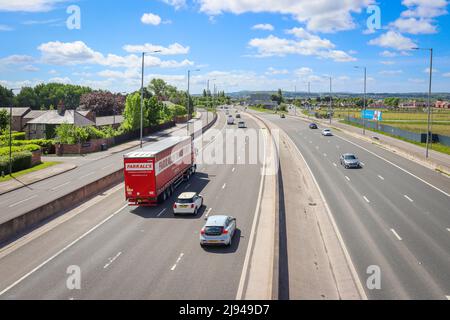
{"x": 152, "y": 173}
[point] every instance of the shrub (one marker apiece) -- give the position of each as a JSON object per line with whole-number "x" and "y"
{"x": 20, "y": 161}
{"x": 29, "y": 147}
{"x": 14, "y": 136}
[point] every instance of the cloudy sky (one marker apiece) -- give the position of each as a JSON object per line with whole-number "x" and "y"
{"x": 237, "y": 44}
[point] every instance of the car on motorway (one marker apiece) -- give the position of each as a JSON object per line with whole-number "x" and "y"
{"x": 313, "y": 126}
{"x": 327, "y": 133}
{"x": 282, "y": 116}
{"x": 238, "y": 115}
{"x": 218, "y": 230}
{"x": 230, "y": 120}
{"x": 188, "y": 203}
{"x": 242, "y": 125}
{"x": 349, "y": 160}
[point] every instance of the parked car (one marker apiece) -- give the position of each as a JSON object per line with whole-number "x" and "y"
{"x": 327, "y": 133}
{"x": 218, "y": 230}
{"x": 313, "y": 126}
{"x": 188, "y": 203}
{"x": 349, "y": 160}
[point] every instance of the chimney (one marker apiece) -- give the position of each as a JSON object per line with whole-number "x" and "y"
{"x": 61, "y": 108}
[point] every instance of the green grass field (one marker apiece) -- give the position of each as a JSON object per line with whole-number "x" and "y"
{"x": 34, "y": 169}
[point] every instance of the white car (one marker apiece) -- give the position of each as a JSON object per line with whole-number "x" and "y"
{"x": 218, "y": 230}
{"x": 188, "y": 203}
{"x": 230, "y": 120}
{"x": 327, "y": 133}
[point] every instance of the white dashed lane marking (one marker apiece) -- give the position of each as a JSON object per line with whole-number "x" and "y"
{"x": 396, "y": 235}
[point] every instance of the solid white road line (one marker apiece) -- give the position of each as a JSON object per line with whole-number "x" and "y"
{"x": 396, "y": 235}
{"x": 381, "y": 177}
{"x": 325, "y": 155}
{"x": 367, "y": 200}
{"x": 60, "y": 186}
{"x": 208, "y": 212}
{"x": 62, "y": 250}
{"x": 176, "y": 263}
{"x": 111, "y": 260}
{"x": 410, "y": 200}
{"x": 397, "y": 166}
{"x": 22, "y": 201}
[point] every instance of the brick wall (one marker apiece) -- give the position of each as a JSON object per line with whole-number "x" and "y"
{"x": 36, "y": 158}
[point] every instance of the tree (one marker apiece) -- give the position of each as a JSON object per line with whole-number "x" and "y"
{"x": 103, "y": 103}
{"x": 159, "y": 88}
{"x": 27, "y": 98}
{"x": 132, "y": 113}
{"x": 6, "y": 97}
{"x": 278, "y": 98}
{"x": 4, "y": 120}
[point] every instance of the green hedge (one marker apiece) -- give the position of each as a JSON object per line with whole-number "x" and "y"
{"x": 14, "y": 136}
{"x": 20, "y": 161}
{"x": 29, "y": 147}
{"x": 45, "y": 144}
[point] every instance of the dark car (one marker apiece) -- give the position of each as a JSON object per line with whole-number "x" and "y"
{"x": 313, "y": 126}
{"x": 283, "y": 116}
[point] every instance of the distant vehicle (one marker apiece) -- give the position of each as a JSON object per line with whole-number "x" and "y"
{"x": 282, "y": 116}
{"x": 230, "y": 120}
{"x": 242, "y": 125}
{"x": 150, "y": 178}
{"x": 349, "y": 160}
{"x": 327, "y": 133}
{"x": 313, "y": 126}
{"x": 238, "y": 115}
{"x": 218, "y": 230}
{"x": 188, "y": 203}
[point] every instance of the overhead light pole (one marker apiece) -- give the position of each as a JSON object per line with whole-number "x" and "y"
{"x": 365, "y": 98}
{"x": 331, "y": 99}
{"x": 429, "y": 130}
{"x": 189, "y": 96}
{"x": 10, "y": 131}
{"x": 142, "y": 93}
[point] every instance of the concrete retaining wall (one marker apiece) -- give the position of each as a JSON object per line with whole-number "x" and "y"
{"x": 34, "y": 217}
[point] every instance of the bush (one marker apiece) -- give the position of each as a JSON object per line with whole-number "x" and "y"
{"x": 14, "y": 136}
{"x": 29, "y": 147}
{"x": 20, "y": 161}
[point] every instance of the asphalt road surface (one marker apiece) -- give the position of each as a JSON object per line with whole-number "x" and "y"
{"x": 393, "y": 213}
{"x": 141, "y": 253}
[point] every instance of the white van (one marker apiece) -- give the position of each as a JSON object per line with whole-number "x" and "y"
{"x": 230, "y": 120}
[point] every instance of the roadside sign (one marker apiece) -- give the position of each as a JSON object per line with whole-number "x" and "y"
{"x": 372, "y": 115}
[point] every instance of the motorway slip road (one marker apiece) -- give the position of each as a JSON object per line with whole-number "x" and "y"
{"x": 89, "y": 169}
{"x": 140, "y": 253}
{"x": 393, "y": 213}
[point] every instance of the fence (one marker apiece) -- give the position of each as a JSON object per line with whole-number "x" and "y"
{"x": 413, "y": 136}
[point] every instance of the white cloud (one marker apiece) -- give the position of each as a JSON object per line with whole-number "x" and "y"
{"x": 4, "y": 27}
{"x": 446, "y": 75}
{"x": 76, "y": 53}
{"x": 321, "y": 15}
{"x": 173, "y": 49}
{"x": 64, "y": 80}
{"x": 425, "y": 8}
{"x": 390, "y": 72}
{"x": 393, "y": 40}
{"x": 414, "y": 26}
{"x": 303, "y": 72}
{"x": 28, "y": 5}
{"x": 388, "y": 54}
{"x": 30, "y": 68}
{"x": 177, "y": 4}
{"x": 388, "y": 63}
{"x": 309, "y": 45}
{"x": 266, "y": 26}
{"x": 427, "y": 70}
{"x": 16, "y": 59}
{"x": 273, "y": 71}
{"x": 150, "y": 18}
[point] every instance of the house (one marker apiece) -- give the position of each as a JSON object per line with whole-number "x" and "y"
{"x": 17, "y": 117}
{"x": 442, "y": 104}
{"x": 33, "y": 114}
{"x": 113, "y": 121}
{"x": 412, "y": 105}
{"x": 379, "y": 104}
{"x": 43, "y": 127}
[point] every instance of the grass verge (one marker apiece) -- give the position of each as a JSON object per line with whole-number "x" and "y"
{"x": 34, "y": 169}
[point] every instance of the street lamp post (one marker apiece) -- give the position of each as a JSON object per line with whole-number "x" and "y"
{"x": 429, "y": 130}
{"x": 331, "y": 100}
{"x": 189, "y": 95}
{"x": 365, "y": 98}
{"x": 10, "y": 133}
{"x": 142, "y": 94}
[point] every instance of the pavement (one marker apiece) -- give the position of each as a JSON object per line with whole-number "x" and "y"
{"x": 88, "y": 169}
{"x": 393, "y": 214}
{"x": 140, "y": 253}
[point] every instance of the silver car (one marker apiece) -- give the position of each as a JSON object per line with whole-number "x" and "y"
{"x": 349, "y": 160}
{"x": 218, "y": 230}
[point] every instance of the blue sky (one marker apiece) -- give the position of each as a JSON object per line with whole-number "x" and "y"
{"x": 237, "y": 44}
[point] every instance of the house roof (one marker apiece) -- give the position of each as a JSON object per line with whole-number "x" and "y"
{"x": 17, "y": 112}
{"x": 69, "y": 116}
{"x": 33, "y": 114}
{"x": 109, "y": 120}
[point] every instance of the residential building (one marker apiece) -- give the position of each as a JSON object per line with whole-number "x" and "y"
{"x": 17, "y": 117}
{"x": 442, "y": 104}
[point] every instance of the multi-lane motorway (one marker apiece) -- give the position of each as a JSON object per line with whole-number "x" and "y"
{"x": 142, "y": 253}
{"x": 393, "y": 213}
